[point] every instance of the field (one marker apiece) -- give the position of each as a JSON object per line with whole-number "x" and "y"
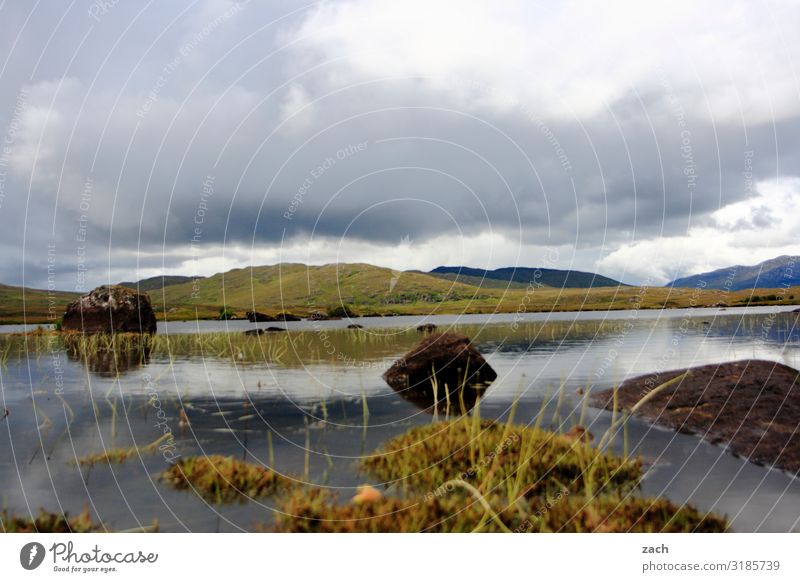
{"x": 371, "y": 290}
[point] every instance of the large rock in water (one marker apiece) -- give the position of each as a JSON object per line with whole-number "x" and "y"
{"x": 751, "y": 406}
{"x": 110, "y": 309}
{"x": 449, "y": 358}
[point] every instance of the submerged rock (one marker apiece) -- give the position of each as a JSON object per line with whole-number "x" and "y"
{"x": 751, "y": 406}
{"x": 110, "y": 309}
{"x": 260, "y": 331}
{"x": 452, "y": 362}
{"x": 355, "y": 326}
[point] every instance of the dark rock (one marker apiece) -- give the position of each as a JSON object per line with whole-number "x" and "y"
{"x": 452, "y": 361}
{"x": 261, "y": 331}
{"x": 355, "y": 326}
{"x": 426, "y": 327}
{"x": 284, "y": 316}
{"x": 256, "y": 317}
{"x": 751, "y": 406}
{"x": 317, "y": 316}
{"x": 110, "y": 309}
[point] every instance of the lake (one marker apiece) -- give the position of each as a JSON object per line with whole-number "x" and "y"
{"x": 311, "y": 401}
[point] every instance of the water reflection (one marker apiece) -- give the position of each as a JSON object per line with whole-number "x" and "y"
{"x": 312, "y": 404}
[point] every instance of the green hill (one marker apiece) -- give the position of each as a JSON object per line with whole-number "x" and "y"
{"x": 302, "y": 288}
{"x": 37, "y": 305}
{"x": 156, "y": 283}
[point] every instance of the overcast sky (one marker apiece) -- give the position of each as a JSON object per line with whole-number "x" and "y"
{"x": 640, "y": 140}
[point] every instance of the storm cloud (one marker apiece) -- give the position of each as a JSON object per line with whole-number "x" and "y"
{"x": 641, "y": 140}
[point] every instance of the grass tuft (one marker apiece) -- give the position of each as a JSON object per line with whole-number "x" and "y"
{"x": 45, "y": 522}
{"x": 224, "y": 479}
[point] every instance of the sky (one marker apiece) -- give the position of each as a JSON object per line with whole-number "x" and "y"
{"x": 640, "y": 140}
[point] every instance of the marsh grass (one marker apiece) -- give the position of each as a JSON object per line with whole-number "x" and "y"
{"x": 110, "y": 354}
{"x": 524, "y": 461}
{"x": 120, "y": 455}
{"x": 318, "y": 510}
{"x": 224, "y": 479}
{"x": 468, "y": 475}
{"x": 45, "y": 522}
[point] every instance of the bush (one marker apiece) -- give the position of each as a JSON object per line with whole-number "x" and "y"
{"x": 341, "y": 311}
{"x": 225, "y": 313}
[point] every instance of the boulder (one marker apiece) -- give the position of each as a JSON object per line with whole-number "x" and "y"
{"x": 426, "y": 327}
{"x": 751, "y": 407}
{"x": 452, "y": 361}
{"x": 110, "y": 309}
{"x": 255, "y": 317}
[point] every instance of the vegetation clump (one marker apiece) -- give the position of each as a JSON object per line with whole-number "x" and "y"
{"x": 469, "y": 475}
{"x": 45, "y": 522}
{"x": 120, "y": 455}
{"x": 522, "y": 460}
{"x": 224, "y": 479}
{"x": 317, "y": 510}
{"x": 343, "y": 311}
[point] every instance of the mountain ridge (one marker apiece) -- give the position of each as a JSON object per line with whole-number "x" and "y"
{"x": 557, "y": 278}
{"x": 782, "y": 271}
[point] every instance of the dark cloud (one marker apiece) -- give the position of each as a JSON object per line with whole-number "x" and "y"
{"x": 144, "y": 107}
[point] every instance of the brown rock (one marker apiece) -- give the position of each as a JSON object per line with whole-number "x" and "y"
{"x": 751, "y": 406}
{"x": 449, "y": 358}
{"x": 110, "y": 309}
{"x": 255, "y": 317}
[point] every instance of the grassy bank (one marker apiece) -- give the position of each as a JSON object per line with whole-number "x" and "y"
{"x": 177, "y": 303}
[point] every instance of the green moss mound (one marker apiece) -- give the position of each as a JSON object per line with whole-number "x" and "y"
{"x": 224, "y": 479}
{"x": 517, "y": 459}
{"x": 45, "y": 522}
{"x": 319, "y": 511}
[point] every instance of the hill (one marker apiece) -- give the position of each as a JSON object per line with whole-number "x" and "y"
{"x": 560, "y": 279}
{"x": 37, "y": 305}
{"x": 293, "y": 286}
{"x": 157, "y": 282}
{"x": 370, "y": 290}
{"x": 783, "y": 271}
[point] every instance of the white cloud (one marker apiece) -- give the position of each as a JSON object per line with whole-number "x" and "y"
{"x": 575, "y": 58}
{"x": 743, "y": 233}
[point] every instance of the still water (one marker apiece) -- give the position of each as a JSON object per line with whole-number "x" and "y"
{"x": 311, "y": 401}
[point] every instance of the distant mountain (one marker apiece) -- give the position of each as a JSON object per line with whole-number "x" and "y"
{"x": 525, "y": 275}
{"x": 782, "y": 271}
{"x": 157, "y": 282}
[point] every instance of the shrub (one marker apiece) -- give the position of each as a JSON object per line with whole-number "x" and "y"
{"x": 341, "y": 311}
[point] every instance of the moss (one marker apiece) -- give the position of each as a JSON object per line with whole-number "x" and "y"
{"x": 318, "y": 511}
{"x": 120, "y": 455}
{"x": 45, "y": 522}
{"x": 523, "y": 460}
{"x": 224, "y": 479}
{"x": 466, "y": 475}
